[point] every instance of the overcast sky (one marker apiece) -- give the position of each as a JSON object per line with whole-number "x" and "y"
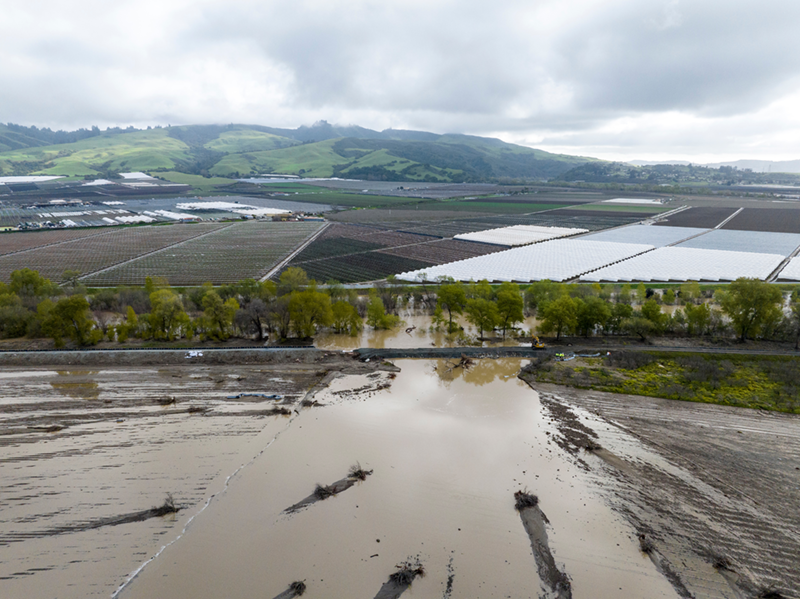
{"x": 702, "y": 80}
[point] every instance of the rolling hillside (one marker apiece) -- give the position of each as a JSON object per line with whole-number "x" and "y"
{"x": 322, "y": 150}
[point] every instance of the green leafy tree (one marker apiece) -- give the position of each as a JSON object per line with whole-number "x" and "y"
{"x": 482, "y": 313}
{"x": 292, "y": 279}
{"x": 509, "y": 306}
{"x": 624, "y": 295}
{"x": 652, "y": 312}
{"x": 71, "y": 317}
{"x": 309, "y": 309}
{"x": 698, "y": 318}
{"x": 750, "y": 304}
{"x": 128, "y": 328}
{"x": 560, "y": 315}
{"x": 377, "y": 317}
{"x": 669, "y": 297}
{"x": 346, "y": 318}
{"x": 167, "y": 318}
{"x": 542, "y": 292}
{"x": 218, "y": 316}
{"x": 690, "y": 292}
{"x": 481, "y": 289}
{"x": 638, "y": 325}
{"x": 641, "y": 293}
{"x": 619, "y": 313}
{"x": 14, "y": 317}
{"x": 453, "y": 298}
{"x": 28, "y": 283}
{"x": 591, "y": 313}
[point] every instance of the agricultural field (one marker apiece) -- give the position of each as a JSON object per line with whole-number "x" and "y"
{"x": 91, "y": 253}
{"x": 704, "y": 217}
{"x": 353, "y": 268}
{"x": 15, "y": 241}
{"x": 443, "y": 251}
{"x": 227, "y": 254}
{"x": 777, "y": 220}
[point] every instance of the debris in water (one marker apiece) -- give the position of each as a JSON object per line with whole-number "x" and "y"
{"x": 523, "y": 500}
{"x": 645, "y": 544}
{"x": 356, "y": 471}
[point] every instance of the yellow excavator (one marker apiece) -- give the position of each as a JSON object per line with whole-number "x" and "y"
{"x": 535, "y": 343}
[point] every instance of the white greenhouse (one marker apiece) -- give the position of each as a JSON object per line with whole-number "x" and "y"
{"x": 792, "y": 271}
{"x": 689, "y": 264}
{"x": 519, "y": 235}
{"x": 557, "y": 260}
{"x": 657, "y": 236}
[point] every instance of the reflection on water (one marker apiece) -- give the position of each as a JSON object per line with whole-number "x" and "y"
{"x": 78, "y": 384}
{"x": 479, "y": 372}
{"x": 418, "y": 335}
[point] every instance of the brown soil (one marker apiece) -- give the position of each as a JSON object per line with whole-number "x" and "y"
{"x": 715, "y": 487}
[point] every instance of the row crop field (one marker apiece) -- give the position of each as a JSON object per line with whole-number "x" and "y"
{"x": 92, "y": 253}
{"x": 19, "y": 241}
{"x": 443, "y": 251}
{"x": 353, "y": 268}
{"x": 703, "y": 217}
{"x": 234, "y": 252}
{"x": 777, "y": 220}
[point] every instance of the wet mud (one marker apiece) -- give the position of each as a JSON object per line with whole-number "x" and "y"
{"x": 709, "y": 488}
{"x": 555, "y": 582}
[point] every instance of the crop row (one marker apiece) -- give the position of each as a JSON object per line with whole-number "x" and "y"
{"x": 93, "y": 253}
{"x": 442, "y": 252}
{"x": 240, "y": 251}
{"x": 20, "y": 241}
{"x": 369, "y": 266}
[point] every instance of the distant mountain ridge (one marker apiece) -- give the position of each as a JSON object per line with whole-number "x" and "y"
{"x": 319, "y": 150}
{"x": 757, "y": 166}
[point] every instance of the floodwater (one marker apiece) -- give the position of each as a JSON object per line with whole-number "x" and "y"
{"x": 448, "y": 449}
{"x": 414, "y": 332}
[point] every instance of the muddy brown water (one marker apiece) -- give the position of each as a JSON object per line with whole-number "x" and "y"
{"x": 447, "y": 449}
{"x": 447, "y": 455}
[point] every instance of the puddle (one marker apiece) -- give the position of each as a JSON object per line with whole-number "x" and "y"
{"x": 448, "y": 449}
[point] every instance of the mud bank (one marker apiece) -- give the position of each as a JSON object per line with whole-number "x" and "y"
{"x": 172, "y": 357}
{"x": 709, "y": 489}
{"x": 555, "y": 583}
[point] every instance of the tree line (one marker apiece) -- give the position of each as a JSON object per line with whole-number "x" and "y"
{"x": 297, "y": 307}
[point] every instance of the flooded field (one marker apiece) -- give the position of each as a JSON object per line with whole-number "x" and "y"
{"x": 615, "y": 496}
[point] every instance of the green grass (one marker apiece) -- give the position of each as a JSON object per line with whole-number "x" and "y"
{"x": 194, "y": 180}
{"x": 763, "y": 382}
{"x": 316, "y": 160}
{"x": 248, "y": 140}
{"x": 136, "y": 151}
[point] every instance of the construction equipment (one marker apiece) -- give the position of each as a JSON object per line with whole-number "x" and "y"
{"x": 535, "y": 343}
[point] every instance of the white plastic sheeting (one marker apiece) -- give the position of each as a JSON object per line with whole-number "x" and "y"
{"x": 689, "y": 264}
{"x": 792, "y": 271}
{"x": 231, "y": 207}
{"x": 657, "y": 236}
{"x": 557, "y": 260}
{"x": 519, "y": 235}
{"x": 631, "y": 201}
{"x": 760, "y": 242}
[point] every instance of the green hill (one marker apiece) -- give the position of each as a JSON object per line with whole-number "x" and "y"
{"x": 321, "y": 150}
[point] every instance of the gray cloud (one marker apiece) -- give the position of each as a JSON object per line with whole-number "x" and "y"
{"x": 612, "y": 77}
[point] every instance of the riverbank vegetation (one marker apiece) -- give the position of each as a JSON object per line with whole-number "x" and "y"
{"x": 751, "y": 381}
{"x": 298, "y": 308}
